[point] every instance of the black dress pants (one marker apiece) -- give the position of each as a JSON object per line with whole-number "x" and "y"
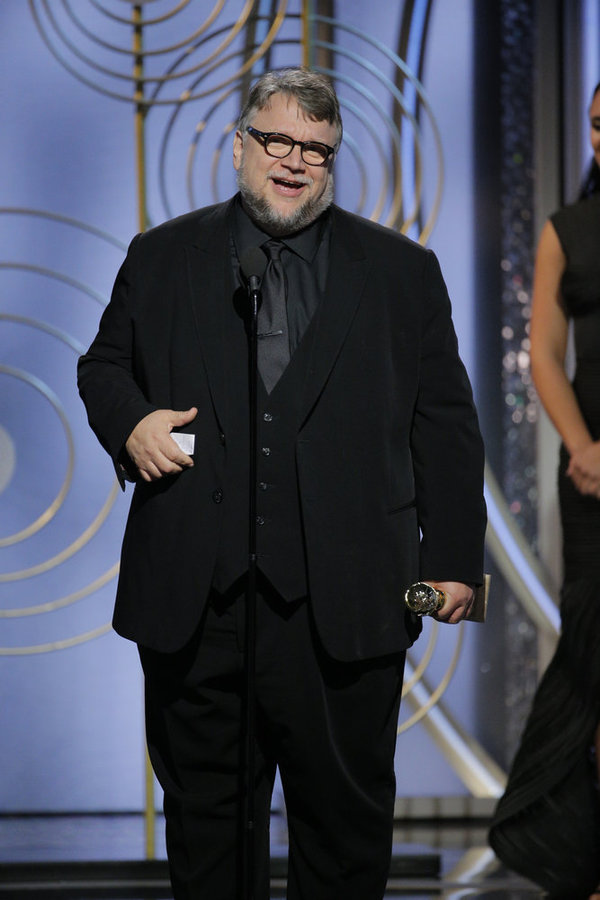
{"x": 329, "y": 726}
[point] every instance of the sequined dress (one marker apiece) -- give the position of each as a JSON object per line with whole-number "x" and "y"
{"x": 547, "y": 824}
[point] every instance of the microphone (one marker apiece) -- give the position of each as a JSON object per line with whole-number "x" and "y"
{"x": 253, "y": 263}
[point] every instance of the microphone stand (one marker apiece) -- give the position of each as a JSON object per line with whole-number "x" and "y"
{"x": 250, "y": 632}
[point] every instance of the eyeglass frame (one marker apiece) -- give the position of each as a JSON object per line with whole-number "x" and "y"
{"x": 265, "y": 135}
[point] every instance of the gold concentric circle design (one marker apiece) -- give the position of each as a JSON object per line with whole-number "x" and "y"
{"x": 29, "y": 339}
{"x": 371, "y": 97}
{"x": 420, "y": 668}
{"x": 55, "y": 505}
{"x": 97, "y": 44}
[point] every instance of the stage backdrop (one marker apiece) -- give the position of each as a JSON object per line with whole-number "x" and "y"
{"x": 113, "y": 117}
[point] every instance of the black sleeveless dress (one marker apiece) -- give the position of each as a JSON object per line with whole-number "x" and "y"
{"x": 547, "y": 824}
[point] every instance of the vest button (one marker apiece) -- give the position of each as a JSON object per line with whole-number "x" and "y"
{"x": 267, "y": 417}
{"x": 263, "y": 485}
{"x": 260, "y": 520}
{"x": 222, "y": 438}
{"x": 266, "y": 451}
{"x": 217, "y": 496}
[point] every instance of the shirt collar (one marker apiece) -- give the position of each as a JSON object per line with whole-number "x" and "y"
{"x": 305, "y": 243}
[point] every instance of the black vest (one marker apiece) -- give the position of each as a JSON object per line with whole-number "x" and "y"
{"x": 279, "y": 535}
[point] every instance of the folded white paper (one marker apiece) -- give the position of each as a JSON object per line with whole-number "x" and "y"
{"x": 185, "y": 442}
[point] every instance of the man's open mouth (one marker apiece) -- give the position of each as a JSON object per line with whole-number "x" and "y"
{"x": 288, "y": 185}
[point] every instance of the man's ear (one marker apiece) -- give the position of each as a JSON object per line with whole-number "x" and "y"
{"x": 238, "y": 146}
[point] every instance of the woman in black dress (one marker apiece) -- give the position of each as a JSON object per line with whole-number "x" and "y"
{"x": 547, "y": 824}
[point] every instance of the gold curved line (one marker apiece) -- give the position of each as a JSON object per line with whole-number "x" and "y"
{"x": 357, "y": 86}
{"x": 305, "y": 39}
{"x": 57, "y": 645}
{"x": 380, "y": 203}
{"x": 51, "y": 510}
{"x": 133, "y": 21}
{"x": 480, "y": 774}
{"x": 72, "y": 548}
{"x": 76, "y": 52}
{"x": 57, "y": 33}
{"x": 422, "y": 96}
{"x": 201, "y": 126}
{"x": 424, "y": 661}
{"x": 189, "y": 94}
{"x": 194, "y": 147}
{"x": 413, "y": 214}
{"x": 145, "y": 23}
{"x": 63, "y": 220}
{"x": 73, "y": 71}
{"x": 375, "y": 215}
{"x": 161, "y": 81}
{"x": 207, "y": 64}
{"x": 370, "y": 129}
{"x": 232, "y": 34}
{"x": 243, "y": 70}
{"x": 199, "y": 129}
{"x": 437, "y": 693}
{"x": 58, "y": 276}
{"x": 352, "y": 147}
{"x": 45, "y": 327}
{"x": 397, "y": 195}
{"x": 110, "y": 15}
{"x": 214, "y": 167}
{"x": 437, "y": 202}
{"x": 53, "y": 605}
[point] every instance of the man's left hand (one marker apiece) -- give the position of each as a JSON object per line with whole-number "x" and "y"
{"x": 458, "y": 602}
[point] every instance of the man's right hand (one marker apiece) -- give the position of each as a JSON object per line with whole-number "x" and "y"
{"x": 151, "y": 447}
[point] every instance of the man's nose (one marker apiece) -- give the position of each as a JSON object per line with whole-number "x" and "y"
{"x": 294, "y": 159}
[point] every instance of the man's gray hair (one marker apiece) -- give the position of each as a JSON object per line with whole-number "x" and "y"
{"x": 312, "y": 91}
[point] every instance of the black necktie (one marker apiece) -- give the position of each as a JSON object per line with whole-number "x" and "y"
{"x": 273, "y": 339}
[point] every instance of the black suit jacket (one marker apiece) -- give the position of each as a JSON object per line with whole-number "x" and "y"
{"x": 389, "y": 455}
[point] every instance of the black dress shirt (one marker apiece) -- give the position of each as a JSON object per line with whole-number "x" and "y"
{"x": 305, "y": 258}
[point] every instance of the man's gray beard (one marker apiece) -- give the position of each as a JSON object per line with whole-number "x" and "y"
{"x": 274, "y": 222}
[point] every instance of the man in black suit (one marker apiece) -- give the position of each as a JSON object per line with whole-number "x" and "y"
{"x": 369, "y": 477}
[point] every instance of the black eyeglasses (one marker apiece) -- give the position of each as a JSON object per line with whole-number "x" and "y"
{"x": 314, "y": 153}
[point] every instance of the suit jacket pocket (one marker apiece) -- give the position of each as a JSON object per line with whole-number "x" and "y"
{"x": 400, "y": 507}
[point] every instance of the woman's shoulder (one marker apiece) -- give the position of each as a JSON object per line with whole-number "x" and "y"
{"x": 578, "y": 224}
{"x": 579, "y": 213}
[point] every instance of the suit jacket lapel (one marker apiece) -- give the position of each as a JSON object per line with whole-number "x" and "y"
{"x": 211, "y": 287}
{"x": 348, "y": 270}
